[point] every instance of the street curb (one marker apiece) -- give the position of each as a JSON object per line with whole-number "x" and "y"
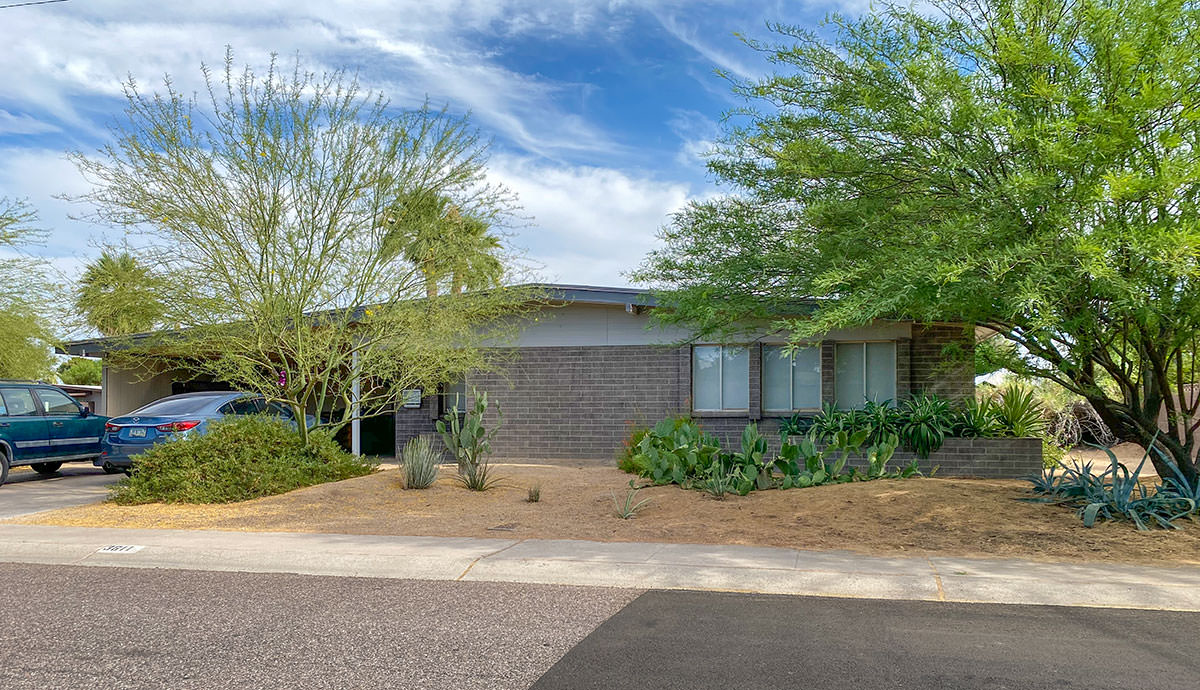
{"x": 622, "y": 565}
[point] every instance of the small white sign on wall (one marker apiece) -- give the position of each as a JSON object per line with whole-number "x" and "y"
{"x": 411, "y": 397}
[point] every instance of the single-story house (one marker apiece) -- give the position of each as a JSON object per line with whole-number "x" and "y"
{"x": 593, "y": 363}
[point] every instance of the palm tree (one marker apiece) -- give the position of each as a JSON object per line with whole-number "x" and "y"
{"x": 477, "y": 265}
{"x": 119, "y": 295}
{"x": 430, "y": 231}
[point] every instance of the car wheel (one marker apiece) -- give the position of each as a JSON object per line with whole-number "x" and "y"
{"x": 46, "y": 467}
{"x": 109, "y": 469}
{"x": 3, "y": 467}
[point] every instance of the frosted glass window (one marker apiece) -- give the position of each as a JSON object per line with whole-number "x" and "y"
{"x": 865, "y": 371}
{"x": 735, "y": 378}
{"x": 881, "y": 372}
{"x": 791, "y": 383}
{"x": 850, "y": 376}
{"x": 720, "y": 377}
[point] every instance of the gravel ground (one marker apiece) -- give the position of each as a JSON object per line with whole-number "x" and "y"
{"x": 131, "y": 628}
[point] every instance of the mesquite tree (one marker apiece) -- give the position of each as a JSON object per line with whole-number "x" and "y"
{"x": 1030, "y": 166}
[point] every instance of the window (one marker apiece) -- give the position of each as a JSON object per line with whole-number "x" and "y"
{"x": 720, "y": 377}
{"x": 865, "y": 371}
{"x": 54, "y": 402}
{"x": 454, "y": 397}
{"x": 791, "y": 382}
{"x": 169, "y": 407}
{"x": 243, "y": 406}
{"x": 19, "y": 402}
{"x": 277, "y": 410}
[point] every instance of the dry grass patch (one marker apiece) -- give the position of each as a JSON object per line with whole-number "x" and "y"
{"x": 961, "y": 517}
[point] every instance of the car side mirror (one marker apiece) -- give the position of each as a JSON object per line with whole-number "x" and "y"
{"x": 85, "y": 412}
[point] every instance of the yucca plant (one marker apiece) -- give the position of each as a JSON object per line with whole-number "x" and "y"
{"x": 419, "y": 464}
{"x": 977, "y": 419}
{"x": 1020, "y": 413}
{"x": 479, "y": 477}
{"x": 628, "y": 508}
{"x": 926, "y": 421}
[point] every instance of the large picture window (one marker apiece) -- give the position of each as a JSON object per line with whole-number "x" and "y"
{"x": 864, "y": 371}
{"x": 791, "y": 382}
{"x": 720, "y": 377}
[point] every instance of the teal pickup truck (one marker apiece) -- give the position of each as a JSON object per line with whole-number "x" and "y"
{"x": 43, "y": 427}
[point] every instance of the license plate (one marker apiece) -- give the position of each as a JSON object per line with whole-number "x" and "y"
{"x": 137, "y": 433}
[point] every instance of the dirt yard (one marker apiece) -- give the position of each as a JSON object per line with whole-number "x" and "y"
{"x": 965, "y": 517}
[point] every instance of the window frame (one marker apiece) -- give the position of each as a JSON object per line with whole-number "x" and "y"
{"x": 866, "y": 369}
{"x": 744, "y": 347}
{"x": 762, "y": 375}
{"x": 48, "y": 392}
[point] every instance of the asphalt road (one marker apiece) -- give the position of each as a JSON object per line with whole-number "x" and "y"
{"x": 75, "y": 484}
{"x": 690, "y": 640}
{"x": 72, "y": 627}
{"x": 75, "y": 627}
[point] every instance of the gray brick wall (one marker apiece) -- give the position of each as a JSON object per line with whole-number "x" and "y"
{"x": 577, "y": 403}
{"x": 932, "y": 371}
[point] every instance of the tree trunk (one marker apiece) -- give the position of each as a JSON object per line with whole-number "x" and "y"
{"x": 1143, "y": 430}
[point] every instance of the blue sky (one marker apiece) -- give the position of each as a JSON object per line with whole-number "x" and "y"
{"x": 599, "y": 109}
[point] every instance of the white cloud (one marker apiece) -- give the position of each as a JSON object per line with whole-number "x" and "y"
{"x": 590, "y": 225}
{"x": 23, "y": 124}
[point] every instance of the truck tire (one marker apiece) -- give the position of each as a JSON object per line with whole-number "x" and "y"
{"x": 46, "y": 467}
{"x": 3, "y": 467}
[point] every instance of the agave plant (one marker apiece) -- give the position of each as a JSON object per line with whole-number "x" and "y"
{"x": 926, "y": 422}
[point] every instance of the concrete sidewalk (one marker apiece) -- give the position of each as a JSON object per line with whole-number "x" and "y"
{"x": 633, "y": 565}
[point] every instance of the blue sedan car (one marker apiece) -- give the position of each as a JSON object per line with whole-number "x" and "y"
{"x": 162, "y": 420}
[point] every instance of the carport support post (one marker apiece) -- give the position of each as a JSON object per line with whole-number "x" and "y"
{"x": 355, "y": 422}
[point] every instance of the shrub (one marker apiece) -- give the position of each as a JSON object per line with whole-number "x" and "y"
{"x": 629, "y": 448}
{"x": 535, "y": 494}
{"x": 926, "y": 421}
{"x": 1020, "y": 412}
{"x": 240, "y": 458}
{"x": 420, "y": 464}
{"x": 977, "y": 419}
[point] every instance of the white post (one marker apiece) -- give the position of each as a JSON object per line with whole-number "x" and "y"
{"x": 355, "y": 422}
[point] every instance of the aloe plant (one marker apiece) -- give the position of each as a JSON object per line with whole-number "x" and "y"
{"x": 926, "y": 422}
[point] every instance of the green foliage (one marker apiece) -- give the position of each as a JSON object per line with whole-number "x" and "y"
{"x": 238, "y": 459}
{"x": 978, "y": 418}
{"x": 926, "y": 421}
{"x": 627, "y": 507}
{"x": 676, "y": 451}
{"x": 27, "y": 297}
{"x": 1029, "y": 168}
{"x": 535, "y": 494}
{"x": 1117, "y": 494}
{"x": 630, "y": 446}
{"x": 265, "y": 204}
{"x": 419, "y": 464}
{"x": 120, "y": 295}
{"x": 80, "y": 371}
{"x": 1020, "y": 413}
{"x": 478, "y": 477}
{"x": 466, "y": 436}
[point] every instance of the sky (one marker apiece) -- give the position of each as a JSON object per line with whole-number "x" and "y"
{"x": 599, "y": 110}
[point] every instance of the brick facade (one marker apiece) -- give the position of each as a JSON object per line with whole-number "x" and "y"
{"x": 576, "y": 403}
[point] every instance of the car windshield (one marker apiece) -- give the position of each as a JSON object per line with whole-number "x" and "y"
{"x": 168, "y": 407}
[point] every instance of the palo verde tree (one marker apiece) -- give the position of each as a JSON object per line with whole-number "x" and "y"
{"x": 1031, "y": 166}
{"x": 26, "y": 296}
{"x": 265, "y": 206}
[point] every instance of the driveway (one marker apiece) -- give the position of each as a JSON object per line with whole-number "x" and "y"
{"x": 28, "y": 492}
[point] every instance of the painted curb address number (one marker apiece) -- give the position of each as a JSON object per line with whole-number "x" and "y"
{"x": 121, "y": 548}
